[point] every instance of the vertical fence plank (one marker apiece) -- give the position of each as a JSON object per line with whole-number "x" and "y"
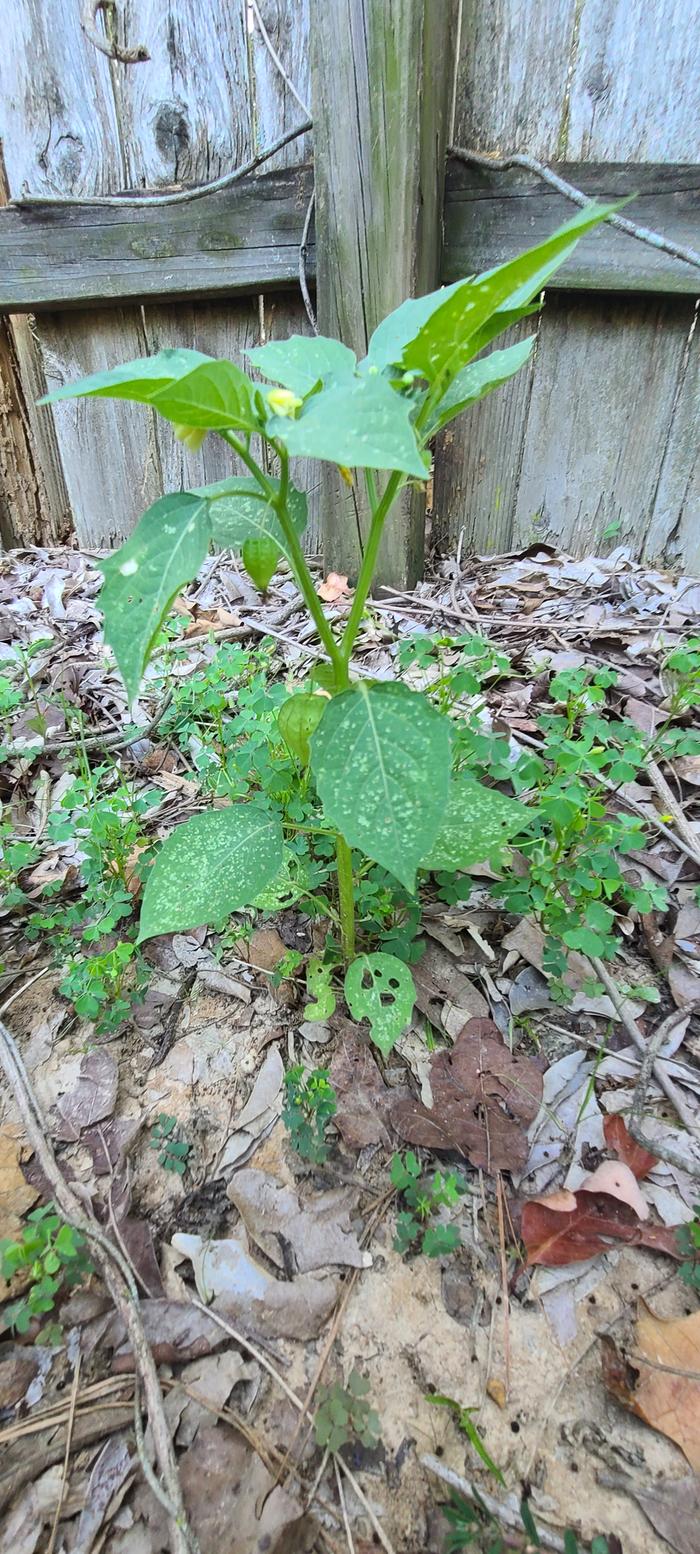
{"x": 381, "y": 92}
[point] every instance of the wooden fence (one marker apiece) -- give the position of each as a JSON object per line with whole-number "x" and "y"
{"x": 599, "y": 431}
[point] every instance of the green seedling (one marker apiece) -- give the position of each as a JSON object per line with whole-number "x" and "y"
{"x": 472, "y": 1526}
{"x": 423, "y": 1201}
{"x": 465, "y": 1423}
{"x": 689, "y": 1245}
{"x": 53, "y": 1257}
{"x": 310, "y": 1103}
{"x": 380, "y": 775}
{"x": 344, "y": 1415}
{"x": 174, "y": 1152}
{"x": 105, "y": 987}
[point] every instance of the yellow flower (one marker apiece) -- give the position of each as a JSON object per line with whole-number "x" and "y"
{"x": 346, "y": 474}
{"x": 283, "y": 402}
{"x": 192, "y": 436}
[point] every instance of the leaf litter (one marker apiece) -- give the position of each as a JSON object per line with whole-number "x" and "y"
{"x": 493, "y": 1077}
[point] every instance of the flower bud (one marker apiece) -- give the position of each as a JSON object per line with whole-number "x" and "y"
{"x": 283, "y": 402}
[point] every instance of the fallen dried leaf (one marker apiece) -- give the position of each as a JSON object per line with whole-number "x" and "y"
{"x": 92, "y": 1097}
{"x": 484, "y": 1097}
{"x": 16, "y": 1194}
{"x": 555, "y": 1236}
{"x": 175, "y": 1330}
{"x": 244, "y": 1291}
{"x": 22, "y": 1528}
{"x": 666, "y": 1399}
{"x": 334, "y": 586}
{"x": 616, "y": 1179}
{"x": 298, "y": 1237}
{"x": 364, "y": 1101}
{"x": 620, "y": 1141}
{"x": 673, "y": 1509}
{"x": 109, "y": 1473}
{"x": 225, "y": 1485}
{"x": 20, "y": 1366}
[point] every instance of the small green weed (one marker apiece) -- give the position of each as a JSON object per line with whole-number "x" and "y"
{"x": 465, "y": 1423}
{"x": 344, "y": 1415}
{"x": 473, "y": 1527}
{"x": 54, "y": 1256}
{"x": 424, "y": 1199}
{"x": 689, "y": 1244}
{"x": 173, "y": 1151}
{"x": 101, "y": 988}
{"x": 310, "y": 1102}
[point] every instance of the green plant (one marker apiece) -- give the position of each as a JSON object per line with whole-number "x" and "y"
{"x": 105, "y": 987}
{"x": 310, "y": 1103}
{"x": 424, "y": 1200}
{"x": 689, "y": 1246}
{"x": 53, "y": 1256}
{"x": 378, "y": 756}
{"x": 465, "y": 1423}
{"x": 173, "y": 1151}
{"x": 472, "y": 1526}
{"x": 344, "y": 1415}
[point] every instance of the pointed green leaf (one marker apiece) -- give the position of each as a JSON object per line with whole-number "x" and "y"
{"x": 319, "y": 978}
{"x": 216, "y": 395}
{"x": 141, "y": 579}
{"x": 380, "y": 988}
{"x": 297, "y": 719}
{"x": 399, "y": 328}
{"x": 381, "y": 760}
{"x": 444, "y": 342}
{"x": 477, "y": 380}
{"x": 302, "y": 361}
{"x": 478, "y": 821}
{"x": 363, "y": 423}
{"x": 210, "y": 866}
{"x": 239, "y": 511}
{"x": 139, "y": 380}
{"x": 260, "y": 558}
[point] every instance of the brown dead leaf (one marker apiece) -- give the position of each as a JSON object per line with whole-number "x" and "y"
{"x": 664, "y": 1399}
{"x": 673, "y": 1509}
{"x": 242, "y": 1290}
{"x": 226, "y": 1486}
{"x": 688, "y": 767}
{"x": 334, "y": 586}
{"x": 298, "y": 1237}
{"x": 92, "y": 1097}
{"x": 484, "y": 1098}
{"x": 175, "y": 1331}
{"x": 110, "y": 1471}
{"x": 16, "y": 1194}
{"x": 556, "y": 1236}
{"x": 364, "y": 1101}
{"x": 620, "y": 1141}
{"x": 20, "y": 1365}
{"x": 615, "y": 1178}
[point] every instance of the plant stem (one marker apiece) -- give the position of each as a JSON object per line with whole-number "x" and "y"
{"x": 369, "y": 561}
{"x": 346, "y": 897}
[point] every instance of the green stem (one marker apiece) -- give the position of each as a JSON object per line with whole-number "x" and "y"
{"x": 369, "y": 561}
{"x": 346, "y": 898}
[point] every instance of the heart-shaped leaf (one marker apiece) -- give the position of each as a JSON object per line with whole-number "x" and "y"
{"x": 362, "y": 423}
{"x": 298, "y": 718}
{"x": 139, "y": 380}
{"x": 215, "y": 395}
{"x": 381, "y": 760}
{"x": 380, "y": 988}
{"x": 302, "y": 361}
{"x": 142, "y": 578}
{"x": 239, "y": 511}
{"x": 210, "y": 866}
{"x": 477, "y": 823}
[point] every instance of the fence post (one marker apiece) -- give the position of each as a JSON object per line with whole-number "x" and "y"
{"x": 382, "y": 86}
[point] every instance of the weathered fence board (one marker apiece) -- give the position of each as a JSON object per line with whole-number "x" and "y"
{"x": 603, "y": 429}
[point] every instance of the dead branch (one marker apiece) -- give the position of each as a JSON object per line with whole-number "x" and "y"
{"x": 105, "y": 44}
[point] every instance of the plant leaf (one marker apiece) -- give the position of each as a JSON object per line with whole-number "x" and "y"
{"x": 477, "y": 822}
{"x": 139, "y": 380}
{"x": 142, "y": 578}
{"x": 361, "y": 423}
{"x": 210, "y": 866}
{"x": 380, "y": 988}
{"x": 381, "y": 760}
{"x": 216, "y": 394}
{"x": 239, "y": 511}
{"x": 302, "y": 361}
{"x": 445, "y": 341}
{"x": 477, "y": 380}
{"x": 318, "y": 986}
{"x": 297, "y": 719}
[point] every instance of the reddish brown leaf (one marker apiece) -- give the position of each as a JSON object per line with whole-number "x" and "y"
{"x": 556, "y": 1238}
{"x": 620, "y": 1141}
{"x": 484, "y": 1098}
{"x": 666, "y": 1392}
{"x": 364, "y": 1101}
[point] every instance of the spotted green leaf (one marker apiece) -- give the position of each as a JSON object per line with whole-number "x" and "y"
{"x": 318, "y": 986}
{"x": 381, "y": 760}
{"x": 210, "y": 866}
{"x": 141, "y": 579}
{"x": 444, "y": 341}
{"x": 215, "y": 395}
{"x": 380, "y": 988}
{"x": 478, "y": 821}
{"x": 361, "y": 423}
{"x": 302, "y": 361}
{"x": 477, "y": 380}
{"x": 298, "y": 718}
{"x": 239, "y": 511}
{"x": 140, "y": 380}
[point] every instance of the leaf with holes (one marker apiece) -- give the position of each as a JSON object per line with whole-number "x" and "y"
{"x": 380, "y": 988}
{"x": 209, "y": 867}
{"x": 302, "y": 361}
{"x": 139, "y": 380}
{"x": 297, "y": 719}
{"x": 381, "y": 760}
{"x": 446, "y": 339}
{"x": 239, "y": 511}
{"x": 360, "y": 423}
{"x": 142, "y": 578}
{"x": 478, "y": 822}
